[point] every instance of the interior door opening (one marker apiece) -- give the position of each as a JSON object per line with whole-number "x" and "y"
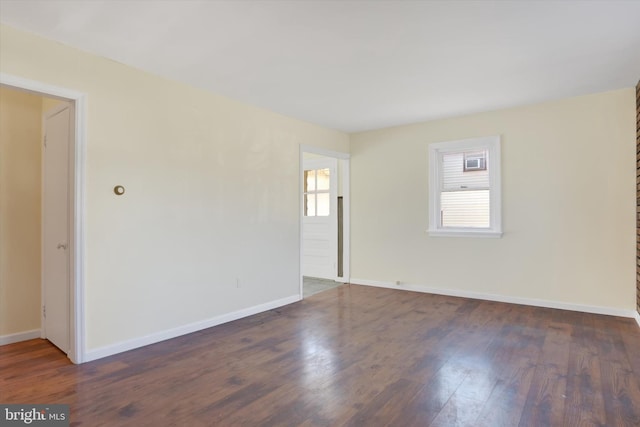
{"x": 34, "y": 192}
{"x": 60, "y": 215}
{"x": 324, "y": 220}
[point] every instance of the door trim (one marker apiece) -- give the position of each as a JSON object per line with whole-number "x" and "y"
{"x": 346, "y": 206}
{"x": 77, "y": 342}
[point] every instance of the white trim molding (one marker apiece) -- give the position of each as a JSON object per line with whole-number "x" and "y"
{"x": 77, "y": 204}
{"x": 465, "y": 233}
{"x": 637, "y": 316}
{"x": 156, "y": 337}
{"x": 610, "y": 311}
{"x": 19, "y": 336}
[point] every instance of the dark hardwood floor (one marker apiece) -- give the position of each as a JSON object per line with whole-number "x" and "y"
{"x": 355, "y": 356}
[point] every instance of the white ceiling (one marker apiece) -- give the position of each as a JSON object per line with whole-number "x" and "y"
{"x": 359, "y": 65}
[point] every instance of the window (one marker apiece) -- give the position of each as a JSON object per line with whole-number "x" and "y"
{"x": 317, "y": 193}
{"x": 464, "y": 188}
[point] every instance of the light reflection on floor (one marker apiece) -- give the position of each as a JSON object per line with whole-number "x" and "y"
{"x": 320, "y": 362}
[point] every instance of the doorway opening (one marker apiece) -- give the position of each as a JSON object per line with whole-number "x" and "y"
{"x": 324, "y": 220}
{"x": 61, "y": 211}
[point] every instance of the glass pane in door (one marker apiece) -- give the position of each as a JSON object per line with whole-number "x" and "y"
{"x": 309, "y": 180}
{"x": 309, "y": 205}
{"x": 324, "y": 204}
{"x": 323, "y": 179}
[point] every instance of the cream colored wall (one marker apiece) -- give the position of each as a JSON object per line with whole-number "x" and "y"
{"x": 211, "y": 193}
{"x": 49, "y": 104}
{"x": 568, "y": 205}
{"x": 20, "y": 182}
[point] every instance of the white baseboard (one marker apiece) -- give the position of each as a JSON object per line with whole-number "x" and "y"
{"x": 184, "y": 330}
{"x": 20, "y": 336}
{"x": 637, "y": 316}
{"x": 610, "y": 311}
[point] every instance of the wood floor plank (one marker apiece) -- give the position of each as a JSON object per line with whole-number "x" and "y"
{"x": 355, "y": 355}
{"x": 584, "y": 405}
{"x": 620, "y": 386}
{"x": 468, "y": 353}
{"x": 465, "y": 405}
{"x": 505, "y": 404}
{"x": 546, "y": 399}
{"x": 629, "y": 332}
{"x": 386, "y": 405}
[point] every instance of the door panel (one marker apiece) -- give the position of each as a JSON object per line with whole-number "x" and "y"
{"x": 55, "y": 232}
{"x": 319, "y": 222}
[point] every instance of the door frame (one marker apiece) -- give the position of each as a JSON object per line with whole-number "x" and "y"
{"x": 346, "y": 207}
{"x": 77, "y": 341}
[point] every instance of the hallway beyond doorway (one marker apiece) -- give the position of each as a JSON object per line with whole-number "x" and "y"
{"x": 314, "y": 285}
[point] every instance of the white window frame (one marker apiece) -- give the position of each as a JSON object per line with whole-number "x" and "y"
{"x": 492, "y": 145}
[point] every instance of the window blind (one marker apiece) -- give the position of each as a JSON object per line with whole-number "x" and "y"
{"x": 465, "y": 196}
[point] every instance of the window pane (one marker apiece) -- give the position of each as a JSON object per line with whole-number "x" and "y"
{"x": 309, "y": 205}
{"x": 323, "y": 179}
{"x": 465, "y": 208}
{"x": 324, "y": 202}
{"x": 454, "y": 177}
{"x": 309, "y": 180}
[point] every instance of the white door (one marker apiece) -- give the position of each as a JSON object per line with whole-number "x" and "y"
{"x": 320, "y": 218}
{"x": 55, "y": 230}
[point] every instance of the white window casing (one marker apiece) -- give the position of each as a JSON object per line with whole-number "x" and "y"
{"x": 465, "y": 188}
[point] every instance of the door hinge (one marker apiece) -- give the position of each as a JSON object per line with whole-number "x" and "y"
{"x": 44, "y": 311}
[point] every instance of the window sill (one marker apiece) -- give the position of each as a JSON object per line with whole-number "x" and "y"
{"x": 465, "y": 233}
